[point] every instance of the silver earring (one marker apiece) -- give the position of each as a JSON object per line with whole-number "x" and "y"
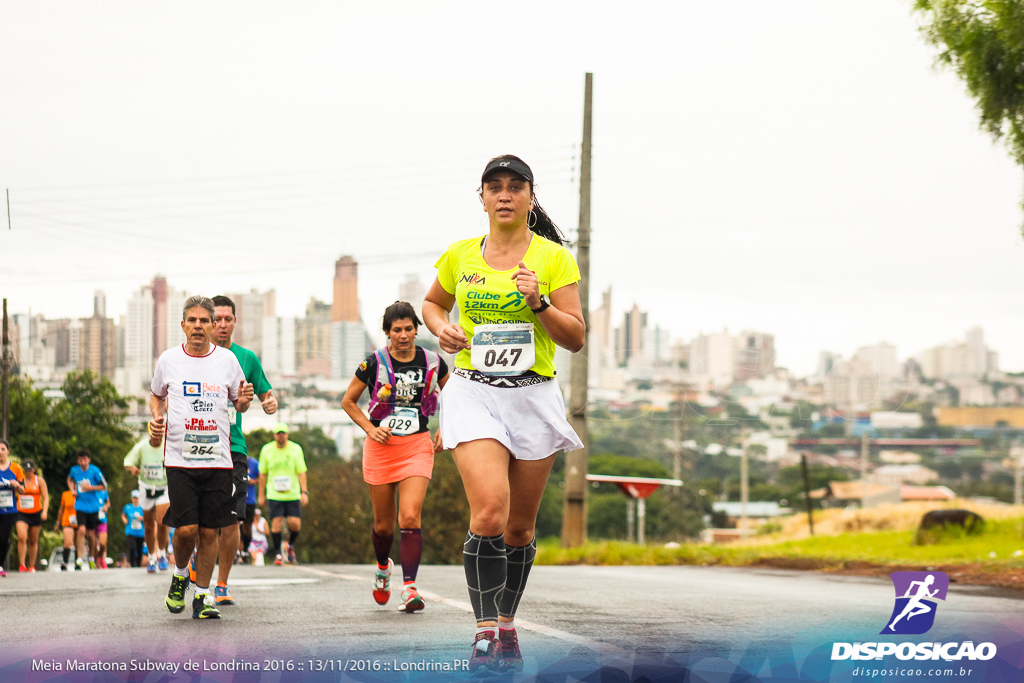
{"x": 528, "y": 223}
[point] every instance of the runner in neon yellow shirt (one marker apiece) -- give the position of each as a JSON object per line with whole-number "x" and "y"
{"x": 283, "y": 483}
{"x": 146, "y": 461}
{"x": 502, "y": 412}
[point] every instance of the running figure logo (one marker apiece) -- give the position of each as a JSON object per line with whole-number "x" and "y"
{"x": 916, "y": 592}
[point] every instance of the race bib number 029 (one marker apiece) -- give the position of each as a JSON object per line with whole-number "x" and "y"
{"x": 503, "y": 350}
{"x": 403, "y": 422}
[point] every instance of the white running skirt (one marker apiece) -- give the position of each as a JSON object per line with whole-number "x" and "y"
{"x": 529, "y": 421}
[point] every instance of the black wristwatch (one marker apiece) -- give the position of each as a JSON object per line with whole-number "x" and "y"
{"x": 543, "y": 306}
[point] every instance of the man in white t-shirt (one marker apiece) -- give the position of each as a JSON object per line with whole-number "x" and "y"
{"x": 195, "y": 383}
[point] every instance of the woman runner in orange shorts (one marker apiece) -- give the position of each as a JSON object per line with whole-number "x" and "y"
{"x": 398, "y": 454}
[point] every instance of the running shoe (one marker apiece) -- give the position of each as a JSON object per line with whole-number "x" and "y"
{"x": 291, "y": 555}
{"x": 31, "y": 569}
{"x": 485, "y": 657}
{"x": 202, "y": 608}
{"x": 151, "y": 569}
{"x": 2, "y": 573}
{"x": 412, "y": 601}
{"x": 192, "y": 568}
{"x": 63, "y": 566}
{"x": 511, "y": 658}
{"x": 382, "y": 584}
{"x": 78, "y": 565}
{"x": 278, "y": 561}
{"x": 92, "y": 563}
{"x": 22, "y": 569}
{"x": 161, "y": 563}
{"x": 175, "y": 600}
{"x": 220, "y": 591}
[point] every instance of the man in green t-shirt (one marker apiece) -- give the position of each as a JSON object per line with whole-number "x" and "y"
{"x": 283, "y": 482}
{"x": 230, "y": 539}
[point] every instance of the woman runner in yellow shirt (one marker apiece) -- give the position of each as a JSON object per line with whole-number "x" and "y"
{"x": 502, "y": 411}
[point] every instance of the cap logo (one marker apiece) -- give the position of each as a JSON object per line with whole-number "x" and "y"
{"x": 504, "y": 163}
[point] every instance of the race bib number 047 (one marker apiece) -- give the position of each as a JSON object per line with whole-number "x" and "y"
{"x": 503, "y": 350}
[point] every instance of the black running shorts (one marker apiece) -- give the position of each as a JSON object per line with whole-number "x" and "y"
{"x": 90, "y": 520}
{"x": 284, "y": 508}
{"x": 31, "y": 518}
{"x": 200, "y": 496}
{"x": 240, "y": 479}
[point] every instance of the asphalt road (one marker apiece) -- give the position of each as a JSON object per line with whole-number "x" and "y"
{"x": 321, "y": 623}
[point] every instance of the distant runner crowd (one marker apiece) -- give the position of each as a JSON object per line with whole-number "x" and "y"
{"x": 200, "y": 495}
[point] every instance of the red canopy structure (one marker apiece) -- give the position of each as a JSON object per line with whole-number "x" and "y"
{"x": 636, "y": 490}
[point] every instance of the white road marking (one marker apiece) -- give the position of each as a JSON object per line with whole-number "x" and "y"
{"x": 597, "y": 645}
{"x": 269, "y": 582}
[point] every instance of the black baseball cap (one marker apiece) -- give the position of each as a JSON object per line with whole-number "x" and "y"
{"x": 507, "y": 163}
{"x": 29, "y": 465}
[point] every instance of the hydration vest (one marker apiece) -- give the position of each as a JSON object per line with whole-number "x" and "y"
{"x": 386, "y": 375}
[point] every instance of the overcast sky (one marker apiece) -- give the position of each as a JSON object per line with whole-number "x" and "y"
{"x": 798, "y": 168}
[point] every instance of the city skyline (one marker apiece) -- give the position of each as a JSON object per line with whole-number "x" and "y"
{"x": 254, "y": 309}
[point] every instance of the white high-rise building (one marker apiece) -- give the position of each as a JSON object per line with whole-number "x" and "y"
{"x": 712, "y": 358}
{"x": 413, "y": 292}
{"x": 879, "y": 359}
{"x": 137, "y": 371}
{"x": 959, "y": 362}
{"x": 278, "y": 340}
{"x": 350, "y": 345}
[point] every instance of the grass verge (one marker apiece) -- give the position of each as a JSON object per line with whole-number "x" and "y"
{"x": 994, "y": 557}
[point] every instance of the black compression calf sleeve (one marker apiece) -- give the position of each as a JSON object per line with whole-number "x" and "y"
{"x": 484, "y": 559}
{"x": 292, "y": 535}
{"x": 410, "y": 550}
{"x": 520, "y": 561}
{"x": 381, "y": 547}
{"x": 276, "y": 536}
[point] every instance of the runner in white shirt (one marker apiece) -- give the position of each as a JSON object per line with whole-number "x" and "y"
{"x": 195, "y": 383}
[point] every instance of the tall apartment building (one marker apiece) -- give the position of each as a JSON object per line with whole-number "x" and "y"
{"x": 967, "y": 360}
{"x": 167, "y": 305}
{"x": 159, "y": 320}
{"x": 600, "y": 346}
{"x": 350, "y": 345}
{"x": 313, "y": 340}
{"x": 413, "y": 291}
{"x": 345, "y": 305}
{"x": 136, "y": 368}
{"x": 279, "y": 350}
{"x": 97, "y": 346}
{"x": 713, "y": 357}
{"x": 879, "y": 359}
{"x": 250, "y": 310}
{"x": 755, "y": 355}
{"x": 630, "y": 335}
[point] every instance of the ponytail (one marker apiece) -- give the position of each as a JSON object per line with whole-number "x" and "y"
{"x": 544, "y": 226}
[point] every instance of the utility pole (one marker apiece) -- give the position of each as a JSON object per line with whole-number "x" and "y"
{"x": 807, "y": 491}
{"x": 1016, "y": 453}
{"x": 677, "y": 435}
{"x": 5, "y": 361}
{"x": 744, "y": 486}
{"x": 865, "y": 450}
{"x": 574, "y": 509}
